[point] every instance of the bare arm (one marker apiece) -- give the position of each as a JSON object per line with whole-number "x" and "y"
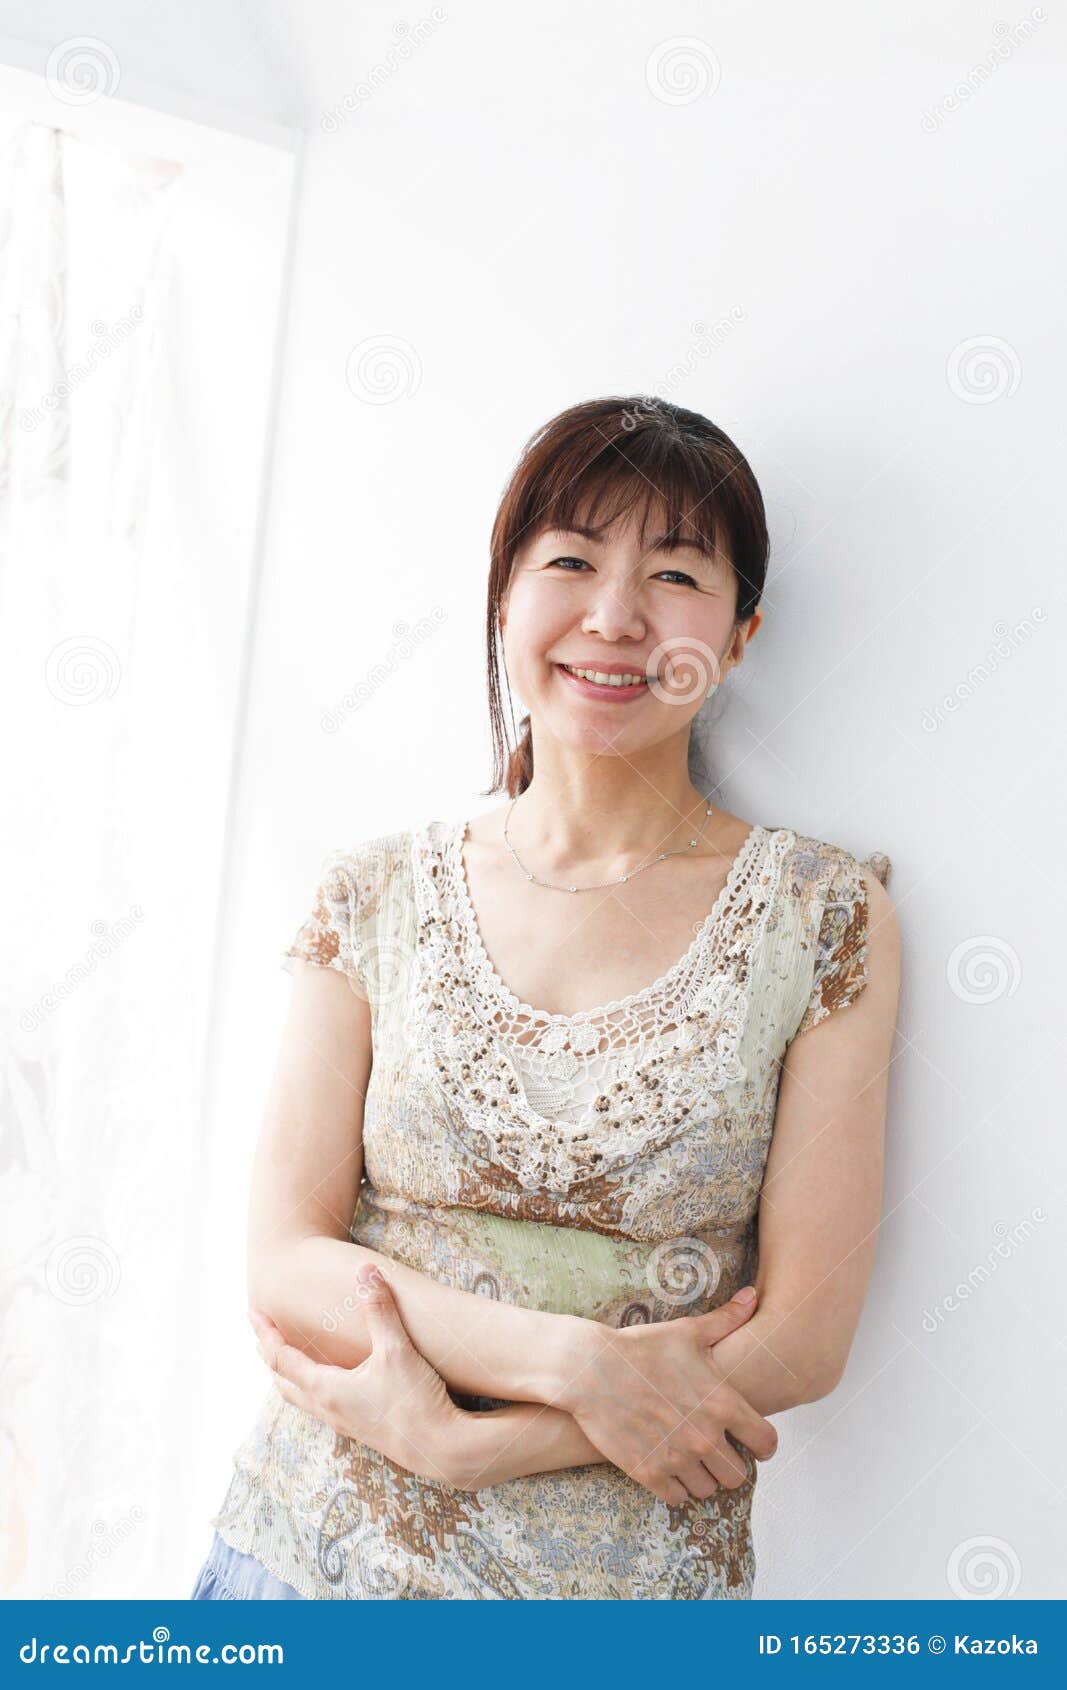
{"x": 826, "y": 1160}
{"x": 305, "y": 1183}
{"x": 396, "y": 1403}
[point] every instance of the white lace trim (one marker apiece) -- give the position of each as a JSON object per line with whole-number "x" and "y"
{"x": 646, "y": 1057}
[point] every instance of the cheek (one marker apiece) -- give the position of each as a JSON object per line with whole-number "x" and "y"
{"x": 534, "y": 621}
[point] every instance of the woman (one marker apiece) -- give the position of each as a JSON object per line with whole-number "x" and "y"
{"x": 517, "y": 1409}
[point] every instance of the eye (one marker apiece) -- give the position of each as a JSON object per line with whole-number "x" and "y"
{"x": 562, "y": 561}
{"x": 680, "y": 574}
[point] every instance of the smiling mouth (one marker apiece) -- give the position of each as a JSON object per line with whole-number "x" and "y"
{"x": 629, "y": 684}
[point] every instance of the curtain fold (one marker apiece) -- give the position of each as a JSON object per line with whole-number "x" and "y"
{"x": 116, "y": 757}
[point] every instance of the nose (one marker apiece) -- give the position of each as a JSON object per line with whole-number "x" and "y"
{"x": 612, "y": 611}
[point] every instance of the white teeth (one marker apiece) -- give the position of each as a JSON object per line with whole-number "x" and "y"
{"x": 602, "y": 679}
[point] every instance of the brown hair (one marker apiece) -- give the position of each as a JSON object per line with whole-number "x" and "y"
{"x": 612, "y": 453}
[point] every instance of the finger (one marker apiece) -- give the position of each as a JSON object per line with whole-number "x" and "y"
{"x": 750, "y": 1428}
{"x": 698, "y": 1479}
{"x": 664, "y": 1486}
{"x": 723, "y": 1461}
{"x": 385, "y": 1328}
{"x": 313, "y": 1378}
{"x": 729, "y": 1316}
{"x": 262, "y": 1324}
{"x": 293, "y": 1394}
{"x": 674, "y": 1494}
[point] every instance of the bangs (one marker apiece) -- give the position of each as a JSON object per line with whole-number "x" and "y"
{"x": 663, "y": 484}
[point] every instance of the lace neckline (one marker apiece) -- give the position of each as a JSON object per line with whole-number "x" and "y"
{"x": 495, "y": 986}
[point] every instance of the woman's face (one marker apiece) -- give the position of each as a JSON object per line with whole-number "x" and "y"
{"x": 613, "y": 605}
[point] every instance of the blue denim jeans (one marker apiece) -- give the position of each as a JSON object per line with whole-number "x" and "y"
{"x": 232, "y": 1576}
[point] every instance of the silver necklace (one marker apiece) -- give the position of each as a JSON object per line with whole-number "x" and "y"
{"x": 600, "y": 884}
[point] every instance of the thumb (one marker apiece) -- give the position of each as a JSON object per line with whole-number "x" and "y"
{"x": 384, "y": 1325}
{"x": 729, "y": 1315}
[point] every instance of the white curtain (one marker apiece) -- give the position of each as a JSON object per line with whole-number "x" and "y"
{"x": 125, "y": 547}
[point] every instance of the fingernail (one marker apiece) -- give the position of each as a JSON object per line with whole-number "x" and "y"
{"x": 746, "y": 1295}
{"x": 376, "y": 1276}
{"x": 364, "y": 1271}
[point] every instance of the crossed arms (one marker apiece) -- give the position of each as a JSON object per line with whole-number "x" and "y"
{"x": 657, "y": 1400}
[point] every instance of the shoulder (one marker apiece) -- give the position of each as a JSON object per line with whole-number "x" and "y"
{"x": 814, "y": 868}
{"x": 385, "y": 859}
{"x": 841, "y": 893}
{"x": 359, "y": 873}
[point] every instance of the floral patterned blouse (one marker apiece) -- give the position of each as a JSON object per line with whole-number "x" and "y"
{"x": 605, "y": 1164}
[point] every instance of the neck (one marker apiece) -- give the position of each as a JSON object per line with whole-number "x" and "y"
{"x": 608, "y": 811}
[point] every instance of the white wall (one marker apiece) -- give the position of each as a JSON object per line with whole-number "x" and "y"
{"x": 515, "y": 209}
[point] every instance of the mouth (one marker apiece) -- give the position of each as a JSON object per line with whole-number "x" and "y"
{"x": 595, "y": 683}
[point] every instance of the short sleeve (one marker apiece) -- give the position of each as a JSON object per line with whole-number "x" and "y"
{"x": 331, "y": 935}
{"x": 841, "y": 947}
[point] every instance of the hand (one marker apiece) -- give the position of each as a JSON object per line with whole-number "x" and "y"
{"x": 653, "y": 1400}
{"x": 394, "y": 1400}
